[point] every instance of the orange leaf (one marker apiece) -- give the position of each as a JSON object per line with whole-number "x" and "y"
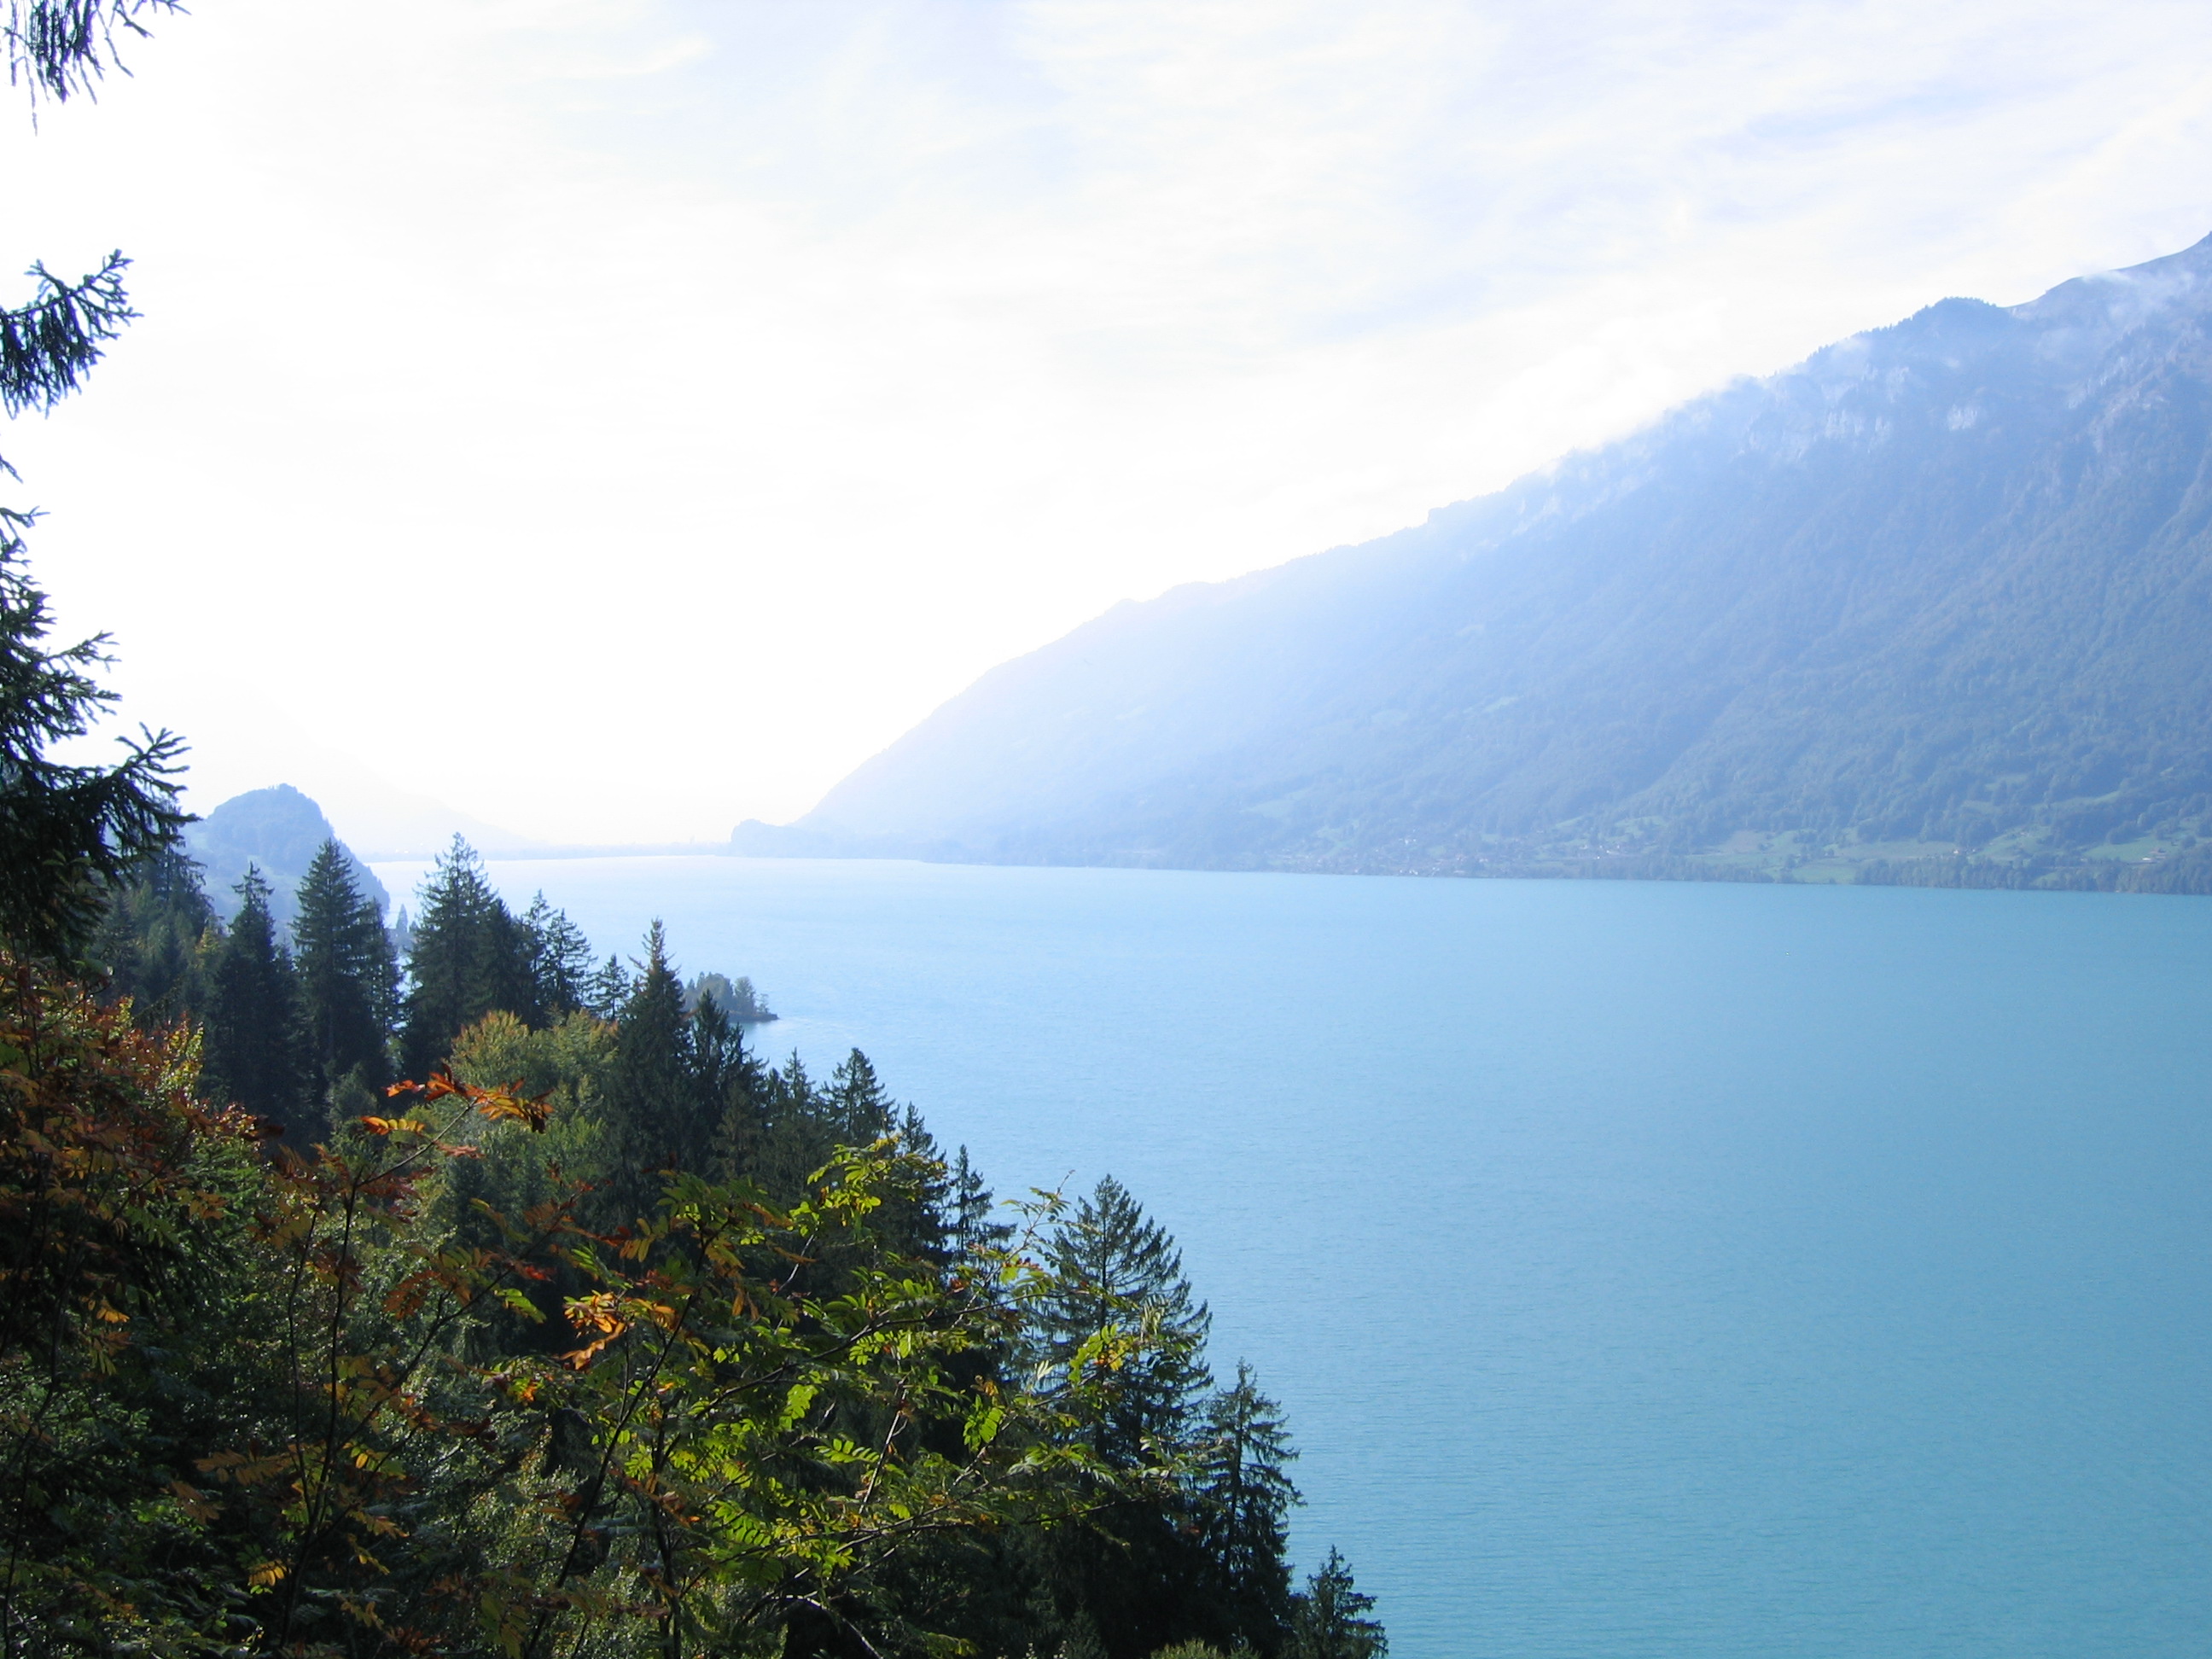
{"x": 511, "y": 1105}
{"x": 194, "y": 1503}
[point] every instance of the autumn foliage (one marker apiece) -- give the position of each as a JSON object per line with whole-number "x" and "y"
{"x": 259, "y": 1397}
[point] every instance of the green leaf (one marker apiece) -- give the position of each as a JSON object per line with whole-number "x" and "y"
{"x": 520, "y": 1302}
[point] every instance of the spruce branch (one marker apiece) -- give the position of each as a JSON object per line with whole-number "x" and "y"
{"x": 47, "y": 346}
{"x": 59, "y": 48}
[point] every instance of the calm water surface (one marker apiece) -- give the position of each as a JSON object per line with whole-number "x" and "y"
{"x": 1648, "y": 1269}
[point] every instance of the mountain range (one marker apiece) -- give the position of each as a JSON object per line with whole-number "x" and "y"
{"x": 1934, "y": 605}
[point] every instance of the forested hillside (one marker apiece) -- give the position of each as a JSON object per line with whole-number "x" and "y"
{"x": 599, "y": 1332}
{"x": 1934, "y": 605}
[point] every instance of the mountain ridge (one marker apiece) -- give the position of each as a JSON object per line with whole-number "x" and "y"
{"x": 1941, "y": 591}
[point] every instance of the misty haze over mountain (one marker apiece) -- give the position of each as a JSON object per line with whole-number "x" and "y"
{"x": 1944, "y": 589}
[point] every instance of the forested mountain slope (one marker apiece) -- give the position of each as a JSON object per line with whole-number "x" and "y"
{"x": 1943, "y": 590}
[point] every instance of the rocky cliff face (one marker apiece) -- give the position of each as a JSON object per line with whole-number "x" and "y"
{"x": 1946, "y": 585}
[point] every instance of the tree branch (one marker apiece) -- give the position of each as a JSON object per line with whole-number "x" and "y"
{"x": 58, "y": 49}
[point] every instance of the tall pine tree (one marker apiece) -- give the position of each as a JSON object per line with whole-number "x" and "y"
{"x": 561, "y": 970}
{"x": 1245, "y": 1497}
{"x": 254, "y": 1052}
{"x": 861, "y": 1109}
{"x": 349, "y": 983}
{"x": 156, "y": 940}
{"x": 69, "y": 834}
{"x": 467, "y": 957}
{"x": 970, "y": 1210}
{"x": 663, "y": 1100}
{"x": 653, "y": 1070}
{"x": 1328, "y": 1618}
{"x": 728, "y": 1085}
{"x": 608, "y": 988}
{"x": 1140, "y": 1571}
{"x": 1107, "y": 1260}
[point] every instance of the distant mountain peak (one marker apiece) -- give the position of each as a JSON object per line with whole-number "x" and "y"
{"x": 279, "y": 831}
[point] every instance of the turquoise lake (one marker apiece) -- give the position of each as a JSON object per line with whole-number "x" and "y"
{"x": 1646, "y": 1269}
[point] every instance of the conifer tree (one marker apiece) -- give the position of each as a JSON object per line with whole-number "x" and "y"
{"x": 156, "y": 939}
{"x": 861, "y": 1110}
{"x": 1106, "y": 1258}
{"x": 745, "y": 1088}
{"x": 792, "y": 1127}
{"x": 467, "y": 957}
{"x": 560, "y": 960}
{"x": 504, "y": 966}
{"x": 929, "y": 1223}
{"x": 1328, "y": 1618}
{"x": 1140, "y": 1571}
{"x": 656, "y": 1101}
{"x": 349, "y": 983}
{"x": 606, "y": 990}
{"x": 69, "y": 834}
{"x": 969, "y": 1209}
{"x": 727, "y": 1083}
{"x": 1245, "y": 1499}
{"x": 253, "y": 1051}
{"x": 652, "y": 1045}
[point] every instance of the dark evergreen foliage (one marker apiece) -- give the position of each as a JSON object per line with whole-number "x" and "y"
{"x": 49, "y": 343}
{"x": 971, "y": 1211}
{"x": 1329, "y": 1618}
{"x": 723, "y": 1070}
{"x": 157, "y": 937}
{"x": 69, "y": 834}
{"x": 256, "y": 1049}
{"x": 1105, "y": 1256}
{"x": 349, "y": 982}
{"x": 659, "y": 1102}
{"x": 1245, "y": 1499}
{"x": 2188, "y": 870}
{"x": 659, "y": 1094}
{"x": 608, "y": 988}
{"x": 468, "y": 955}
{"x": 862, "y": 1109}
{"x": 1140, "y": 1572}
{"x": 561, "y": 970}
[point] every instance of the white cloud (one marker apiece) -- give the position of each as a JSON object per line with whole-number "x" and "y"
{"x": 620, "y": 417}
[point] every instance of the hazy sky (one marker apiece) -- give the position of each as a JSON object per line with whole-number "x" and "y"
{"x": 619, "y": 417}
